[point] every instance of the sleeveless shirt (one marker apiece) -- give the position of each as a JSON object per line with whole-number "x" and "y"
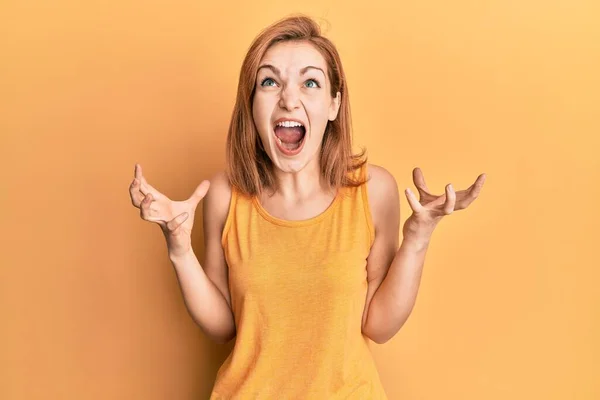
{"x": 298, "y": 291}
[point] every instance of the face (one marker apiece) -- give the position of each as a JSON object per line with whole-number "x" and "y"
{"x": 292, "y": 104}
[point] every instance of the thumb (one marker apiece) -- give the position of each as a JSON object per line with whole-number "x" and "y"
{"x": 178, "y": 220}
{"x": 199, "y": 193}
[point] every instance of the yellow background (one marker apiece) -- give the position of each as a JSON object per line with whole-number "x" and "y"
{"x": 508, "y": 307}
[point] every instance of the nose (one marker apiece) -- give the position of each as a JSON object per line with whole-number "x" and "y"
{"x": 289, "y": 98}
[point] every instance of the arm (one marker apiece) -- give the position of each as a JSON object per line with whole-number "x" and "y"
{"x": 205, "y": 290}
{"x": 393, "y": 273}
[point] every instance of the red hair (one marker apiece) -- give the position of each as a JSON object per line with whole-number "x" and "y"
{"x": 250, "y": 169}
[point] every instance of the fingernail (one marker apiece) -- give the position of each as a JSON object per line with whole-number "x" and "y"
{"x": 450, "y": 187}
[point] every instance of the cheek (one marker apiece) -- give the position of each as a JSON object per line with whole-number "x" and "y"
{"x": 261, "y": 113}
{"x": 319, "y": 115}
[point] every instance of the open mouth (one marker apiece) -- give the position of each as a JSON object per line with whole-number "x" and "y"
{"x": 289, "y": 136}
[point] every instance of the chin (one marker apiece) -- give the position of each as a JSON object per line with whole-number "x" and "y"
{"x": 291, "y": 164}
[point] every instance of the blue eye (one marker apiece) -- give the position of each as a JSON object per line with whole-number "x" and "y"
{"x": 315, "y": 82}
{"x": 266, "y": 80}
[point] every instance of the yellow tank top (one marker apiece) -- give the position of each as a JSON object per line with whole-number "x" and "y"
{"x": 298, "y": 291}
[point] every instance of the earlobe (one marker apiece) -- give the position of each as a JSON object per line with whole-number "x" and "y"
{"x": 335, "y": 106}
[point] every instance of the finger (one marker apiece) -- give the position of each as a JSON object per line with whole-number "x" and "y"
{"x": 145, "y": 210}
{"x": 476, "y": 187}
{"x": 177, "y": 221}
{"x": 135, "y": 194}
{"x": 419, "y": 180}
{"x": 415, "y": 205}
{"x": 471, "y": 193}
{"x": 140, "y": 177}
{"x": 199, "y": 193}
{"x": 145, "y": 187}
{"x": 450, "y": 200}
{"x": 438, "y": 201}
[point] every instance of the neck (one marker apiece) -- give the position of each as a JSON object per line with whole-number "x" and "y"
{"x": 301, "y": 184}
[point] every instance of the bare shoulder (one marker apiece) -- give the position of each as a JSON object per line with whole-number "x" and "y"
{"x": 216, "y": 202}
{"x": 383, "y": 194}
{"x": 380, "y": 180}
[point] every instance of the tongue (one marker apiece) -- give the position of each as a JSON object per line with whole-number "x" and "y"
{"x": 289, "y": 135}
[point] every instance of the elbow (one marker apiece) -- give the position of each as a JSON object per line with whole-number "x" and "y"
{"x": 219, "y": 334}
{"x": 221, "y": 339}
{"x": 379, "y": 339}
{"x": 382, "y": 334}
{"x": 376, "y": 335}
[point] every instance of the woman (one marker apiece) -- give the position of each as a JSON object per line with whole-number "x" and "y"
{"x": 302, "y": 259}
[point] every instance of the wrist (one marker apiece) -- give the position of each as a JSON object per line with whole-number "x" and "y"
{"x": 415, "y": 231}
{"x": 181, "y": 256}
{"x": 416, "y": 243}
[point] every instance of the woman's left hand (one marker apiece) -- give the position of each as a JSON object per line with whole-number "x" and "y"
{"x": 429, "y": 209}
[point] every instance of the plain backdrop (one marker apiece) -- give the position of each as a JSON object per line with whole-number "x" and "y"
{"x": 508, "y": 308}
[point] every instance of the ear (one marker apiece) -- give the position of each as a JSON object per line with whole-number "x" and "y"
{"x": 335, "y": 106}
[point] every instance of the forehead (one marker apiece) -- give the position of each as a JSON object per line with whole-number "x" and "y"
{"x": 291, "y": 56}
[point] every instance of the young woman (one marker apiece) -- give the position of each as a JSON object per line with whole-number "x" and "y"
{"x": 302, "y": 259}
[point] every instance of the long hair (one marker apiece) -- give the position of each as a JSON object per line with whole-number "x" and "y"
{"x": 250, "y": 169}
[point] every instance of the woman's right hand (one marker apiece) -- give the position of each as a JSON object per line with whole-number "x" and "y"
{"x": 175, "y": 218}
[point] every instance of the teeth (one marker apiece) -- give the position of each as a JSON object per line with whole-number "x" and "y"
{"x": 289, "y": 124}
{"x": 278, "y": 140}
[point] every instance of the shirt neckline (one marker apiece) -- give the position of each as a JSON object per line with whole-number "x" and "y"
{"x": 302, "y": 222}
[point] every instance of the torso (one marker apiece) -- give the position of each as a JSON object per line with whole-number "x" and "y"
{"x": 298, "y": 281}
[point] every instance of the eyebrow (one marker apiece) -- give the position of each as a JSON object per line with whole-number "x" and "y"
{"x": 302, "y": 71}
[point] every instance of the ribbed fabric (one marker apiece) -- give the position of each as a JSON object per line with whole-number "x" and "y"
{"x": 298, "y": 290}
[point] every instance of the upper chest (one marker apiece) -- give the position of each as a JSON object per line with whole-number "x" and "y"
{"x": 296, "y": 210}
